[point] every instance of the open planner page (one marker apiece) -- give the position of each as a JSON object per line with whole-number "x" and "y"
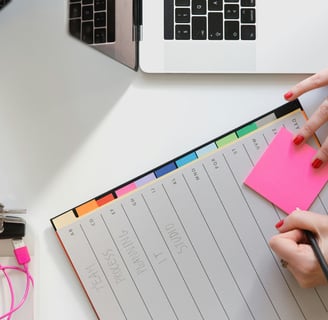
{"x": 189, "y": 241}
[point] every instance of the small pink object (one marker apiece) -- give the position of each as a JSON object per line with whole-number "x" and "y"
{"x": 284, "y": 174}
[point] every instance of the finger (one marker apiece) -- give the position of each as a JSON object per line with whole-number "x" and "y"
{"x": 304, "y": 220}
{"x": 318, "y": 118}
{"x": 317, "y": 80}
{"x": 286, "y": 245}
{"x": 322, "y": 155}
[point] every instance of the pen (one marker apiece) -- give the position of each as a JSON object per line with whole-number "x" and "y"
{"x": 316, "y": 249}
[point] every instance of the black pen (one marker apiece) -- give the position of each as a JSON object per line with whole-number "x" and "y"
{"x": 318, "y": 253}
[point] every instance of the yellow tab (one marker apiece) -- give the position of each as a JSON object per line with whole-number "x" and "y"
{"x": 64, "y": 220}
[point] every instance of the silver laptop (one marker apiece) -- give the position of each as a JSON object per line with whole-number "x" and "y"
{"x": 206, "y": 36}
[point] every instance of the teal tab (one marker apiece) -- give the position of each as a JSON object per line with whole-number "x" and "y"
{"x": 206, "y": 149}
{"x": 247, "y": 129}
{"x": 186, "y": 159}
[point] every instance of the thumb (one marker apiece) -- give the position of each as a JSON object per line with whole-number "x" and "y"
{"x": 304, "y": 220}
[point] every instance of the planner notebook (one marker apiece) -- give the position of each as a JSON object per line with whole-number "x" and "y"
{"x": 189, "y": 240}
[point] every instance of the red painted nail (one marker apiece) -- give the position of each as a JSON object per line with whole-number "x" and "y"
{"x": 288, "y": 95}
{"x": 317, "y": 163}
{"x": 279, "y": 224}
{"x": 298, "y": 139}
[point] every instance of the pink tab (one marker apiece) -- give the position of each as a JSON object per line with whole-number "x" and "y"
{"x": 284, "y": 174}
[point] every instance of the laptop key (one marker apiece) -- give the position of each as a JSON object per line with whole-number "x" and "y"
{"x": 100, "y": 35}
{"x": 87, "y": 13}
{"x": 199, "y": 28}
{"x": 248, "y": 3}
{"x": 231, "y": 30}
{"x": 75, "y": 10}
{"x": 182, "y": 15}
{"x": 100, "y": 19}
{"x": 110, "y": 18}
{"x": 182, "y": 3}
{"x": 100, "y": 5}
{"x": 215, "y": 26}
{"x": 248, "y": 32}
{"x": 247, "y": 15}
{"x": 168, "y": 19}
{"x": 75, "y": 28}
{"x": 87, "y": 32}
{"x": 216, "y": 5}
{"x": 198, "y": 7}
{"x": 182, "y": 32}
{"x": 231, "y": 11}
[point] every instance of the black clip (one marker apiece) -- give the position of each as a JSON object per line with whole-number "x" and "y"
{"x": 11, "y": 227}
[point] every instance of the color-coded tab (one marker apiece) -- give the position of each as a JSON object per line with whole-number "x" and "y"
{"x": 165, "y": 169}
{"x": 266, "y": 120}
{"x": 206, "y": 149}
{"x": 226, "y": 140}
{"x": 145, "y": 179}
{"x": 126, "y": 189}
{"x": 87, "y": 207}
{"x": 105, "y": 199}
{"x": 246, "y": 130}
{"x": 64, "y": 220}
{"x": 186, "y": 159}
{"x": 284, "y": 174}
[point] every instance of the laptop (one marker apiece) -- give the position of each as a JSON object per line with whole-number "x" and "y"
{"x": 206, "y": 36}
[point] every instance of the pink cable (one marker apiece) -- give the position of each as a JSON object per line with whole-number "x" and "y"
{"x": 24, "y": 298}
{"x": 23, "y": 258}
{"x": 11, "y": 289}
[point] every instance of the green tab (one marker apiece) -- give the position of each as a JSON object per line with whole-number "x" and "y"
{"x": 247, "y": 129}
{"x": 226, "y": 140}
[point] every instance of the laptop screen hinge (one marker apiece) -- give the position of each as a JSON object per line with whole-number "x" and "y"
{"x": 137, "y": 12}
{"x": 137, "y": 19}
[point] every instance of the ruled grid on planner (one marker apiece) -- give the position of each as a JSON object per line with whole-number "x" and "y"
{"x": 192, "y": 245}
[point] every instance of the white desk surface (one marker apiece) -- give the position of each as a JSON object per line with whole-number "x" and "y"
{"x": 74, "y": 124}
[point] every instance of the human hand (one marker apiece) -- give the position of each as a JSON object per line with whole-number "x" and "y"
{"x": 319, "y": 117}
{"x": 292, "y": 246}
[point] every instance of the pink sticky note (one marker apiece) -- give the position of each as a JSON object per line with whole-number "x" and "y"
{"x": 284, "y": 175}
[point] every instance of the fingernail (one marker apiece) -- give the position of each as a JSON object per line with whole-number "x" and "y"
{"x": 279, "y": 224}
{"x": 288, "y": 95}
{"x": 317, "y": 163}
{"x": 298, "y": 139}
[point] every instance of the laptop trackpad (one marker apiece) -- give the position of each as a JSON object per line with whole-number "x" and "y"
{"x": 209, "y": 56}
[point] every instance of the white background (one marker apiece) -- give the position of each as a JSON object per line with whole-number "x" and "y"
{"x": 74, "y": 124}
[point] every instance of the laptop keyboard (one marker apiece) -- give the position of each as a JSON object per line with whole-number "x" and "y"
{"x": 209, "y": 20}
{"x": 3, "y": 3}
{"x": 92, "y": 21}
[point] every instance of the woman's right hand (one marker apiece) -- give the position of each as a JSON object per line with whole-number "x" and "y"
{"x": 318, "y": 118}
{"x": 292, "y": 246}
